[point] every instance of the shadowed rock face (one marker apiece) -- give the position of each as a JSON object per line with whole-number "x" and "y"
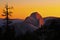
{"x": 32, "y": 21}
{"x": 36, "y": 19}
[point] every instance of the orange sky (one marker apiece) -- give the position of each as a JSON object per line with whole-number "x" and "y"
{"x": 23, "y": 8}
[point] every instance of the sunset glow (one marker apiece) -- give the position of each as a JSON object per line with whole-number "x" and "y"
{"x": 23, "y": 8}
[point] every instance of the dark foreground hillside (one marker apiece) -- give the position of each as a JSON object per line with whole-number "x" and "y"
{"x": 49, "y": 31}
{"x": 44, "y": 33}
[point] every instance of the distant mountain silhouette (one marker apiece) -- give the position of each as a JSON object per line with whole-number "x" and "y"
{"x": 1, "y": 22}
{"x": 52, "y": 21}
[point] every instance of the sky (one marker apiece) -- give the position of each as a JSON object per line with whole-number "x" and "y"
{"x": 23, "y": 8}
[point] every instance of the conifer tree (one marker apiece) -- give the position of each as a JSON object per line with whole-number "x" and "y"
{"x": 7, "y": 13}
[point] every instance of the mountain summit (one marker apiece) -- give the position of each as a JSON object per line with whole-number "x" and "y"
{"x": 35, "y": 19}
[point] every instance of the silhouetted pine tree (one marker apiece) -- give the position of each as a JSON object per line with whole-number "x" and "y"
{"x": 8, "y": 32}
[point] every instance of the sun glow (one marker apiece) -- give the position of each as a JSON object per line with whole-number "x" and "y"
{"x": 23, "y": 8}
